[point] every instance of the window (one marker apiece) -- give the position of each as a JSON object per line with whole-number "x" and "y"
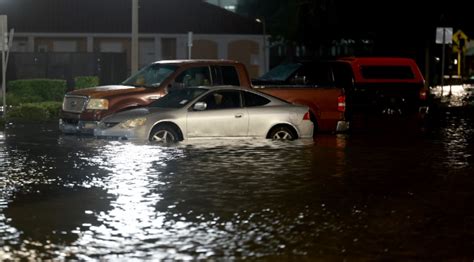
{"x": 178, "y": 98}
{"x": 151, "y": 75}
{"x": 315, "y": 74}
{"x": 195, "y": 76}
{"x": 222, "y": 100}
{"x": 387, "y": 72}
{"x": 19, "y": 45}
{"x": 64, "y": 46}
{"x": 229, "y": 76}
{"x": 42, "y": 48}
{"x": 225, "y": 75}
{"x": 281, "y": 72}
{"x": 251, "y": 100}
{"x": 111, "y": 47}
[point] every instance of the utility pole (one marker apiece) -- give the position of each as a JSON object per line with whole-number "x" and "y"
{"x": 444, "y": 35}
{"x": 134, "y": 58}
{"x": 6, "y": 41}
{"x": 264, "y": 48}
{"x": 190, "y": 44}
{"x": 3, "y": 46}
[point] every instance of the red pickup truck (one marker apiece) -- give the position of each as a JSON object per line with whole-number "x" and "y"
{"x": 335, "y": 91}
{"x": 361, "y": 92}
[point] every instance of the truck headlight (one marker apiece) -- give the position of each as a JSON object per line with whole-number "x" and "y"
{"x": 98, "y": 104}
{"x": 132, "y": 123}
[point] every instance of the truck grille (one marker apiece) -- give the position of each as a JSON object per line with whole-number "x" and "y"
{"x": 74, "y": 104}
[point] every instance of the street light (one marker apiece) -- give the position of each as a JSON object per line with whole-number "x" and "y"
{"x": 262, "y": 21}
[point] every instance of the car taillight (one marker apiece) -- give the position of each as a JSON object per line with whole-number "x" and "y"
{"x": 341, "y": 103}
{"x": 307, "y": 116}
{"x": 423, "y": 94}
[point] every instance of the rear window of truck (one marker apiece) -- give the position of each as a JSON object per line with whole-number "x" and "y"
{"x": 387, "y": 72}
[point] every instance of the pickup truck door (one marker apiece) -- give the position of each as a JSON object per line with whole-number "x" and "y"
{"x": 223, "y": 117}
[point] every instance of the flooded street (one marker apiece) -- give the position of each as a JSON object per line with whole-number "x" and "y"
{"x": 357, "y": 197}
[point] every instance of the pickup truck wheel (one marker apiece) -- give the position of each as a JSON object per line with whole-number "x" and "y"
{"x": 282, "y": 133}
{"x": 164, "y": 135}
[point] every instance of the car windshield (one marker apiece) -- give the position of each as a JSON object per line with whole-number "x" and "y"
{"x": 151, "y": 75}
{"x": 178, "y": 98}
{"x": 281, "y": 72}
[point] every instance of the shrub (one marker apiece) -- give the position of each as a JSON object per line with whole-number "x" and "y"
{"x": 42, "y": 111}
{"x": 32, "y": 90}
{"x": 14, "y": 100}
{"x": 86, "y": 81}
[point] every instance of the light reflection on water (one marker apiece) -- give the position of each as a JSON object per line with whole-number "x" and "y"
{"x": 339, "y": 196}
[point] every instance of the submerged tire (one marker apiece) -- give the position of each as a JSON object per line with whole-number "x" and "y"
{"x": 164, "y": 134}
{"x": 282, "y": 133}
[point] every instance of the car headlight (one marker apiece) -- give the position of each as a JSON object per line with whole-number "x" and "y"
{"x": 98, "y": 104}
{"x": 132, "y": 123}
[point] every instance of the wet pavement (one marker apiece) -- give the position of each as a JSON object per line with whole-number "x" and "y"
{"x": 366, "y": 196}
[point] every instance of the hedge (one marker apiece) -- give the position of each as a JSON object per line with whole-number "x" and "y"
{"x": 86, "y": 81}
{"x": 36, "y": 90}
{"x": 42, "y": 111}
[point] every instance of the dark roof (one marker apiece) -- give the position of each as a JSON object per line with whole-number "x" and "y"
{"x": 114, "y": 16}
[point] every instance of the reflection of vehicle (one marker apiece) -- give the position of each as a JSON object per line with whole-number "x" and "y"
{"x": 199, "y": 112}
{"x": 82, "y": 109}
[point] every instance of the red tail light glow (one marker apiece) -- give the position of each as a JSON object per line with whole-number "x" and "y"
{"x": 307, "y": 116}
{"x": 341, "y": 103}
{"x": 423, "y": 94}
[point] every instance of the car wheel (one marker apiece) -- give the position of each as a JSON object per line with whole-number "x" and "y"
{"x": 164, "y": 134}
{"x": 282, "y": 133}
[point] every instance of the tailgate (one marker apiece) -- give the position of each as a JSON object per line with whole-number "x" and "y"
{"x": 384, "y": 99}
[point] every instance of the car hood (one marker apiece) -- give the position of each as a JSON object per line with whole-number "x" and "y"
{"x": 135, "y": 113}
{"x": 106, "y": 91}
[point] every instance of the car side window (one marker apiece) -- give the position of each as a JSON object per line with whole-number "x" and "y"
{"x": 222, "y": 99}
{"x": 195, "y": 76}
{"x": 252, "y": 100}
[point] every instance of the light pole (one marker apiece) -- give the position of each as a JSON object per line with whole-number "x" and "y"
{"x": 262, "y": 21}
{"x": 134, "y": 58}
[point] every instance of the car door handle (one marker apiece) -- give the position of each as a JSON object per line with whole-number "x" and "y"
{"x": 238, "y": 116}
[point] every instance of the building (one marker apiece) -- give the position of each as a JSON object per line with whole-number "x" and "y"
{"x": 230, "y": 5}
{"x": 92, "y": 26}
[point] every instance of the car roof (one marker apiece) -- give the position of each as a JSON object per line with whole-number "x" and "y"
{"x": 222, "y": 87}
{"x": 240, "y": 88}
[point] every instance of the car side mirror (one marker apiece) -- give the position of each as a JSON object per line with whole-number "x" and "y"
{"x": 200, "y": 106}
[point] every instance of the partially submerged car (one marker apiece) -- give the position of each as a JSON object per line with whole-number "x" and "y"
{"x": 209, "y": 112}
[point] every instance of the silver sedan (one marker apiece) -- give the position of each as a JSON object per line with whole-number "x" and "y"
{"x": 210, "y": 112}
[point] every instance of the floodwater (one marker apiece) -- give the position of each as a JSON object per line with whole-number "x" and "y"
{"x": 391, "y": 196}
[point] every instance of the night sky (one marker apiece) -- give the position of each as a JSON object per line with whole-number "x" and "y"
{"x": 405, "y": 17}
